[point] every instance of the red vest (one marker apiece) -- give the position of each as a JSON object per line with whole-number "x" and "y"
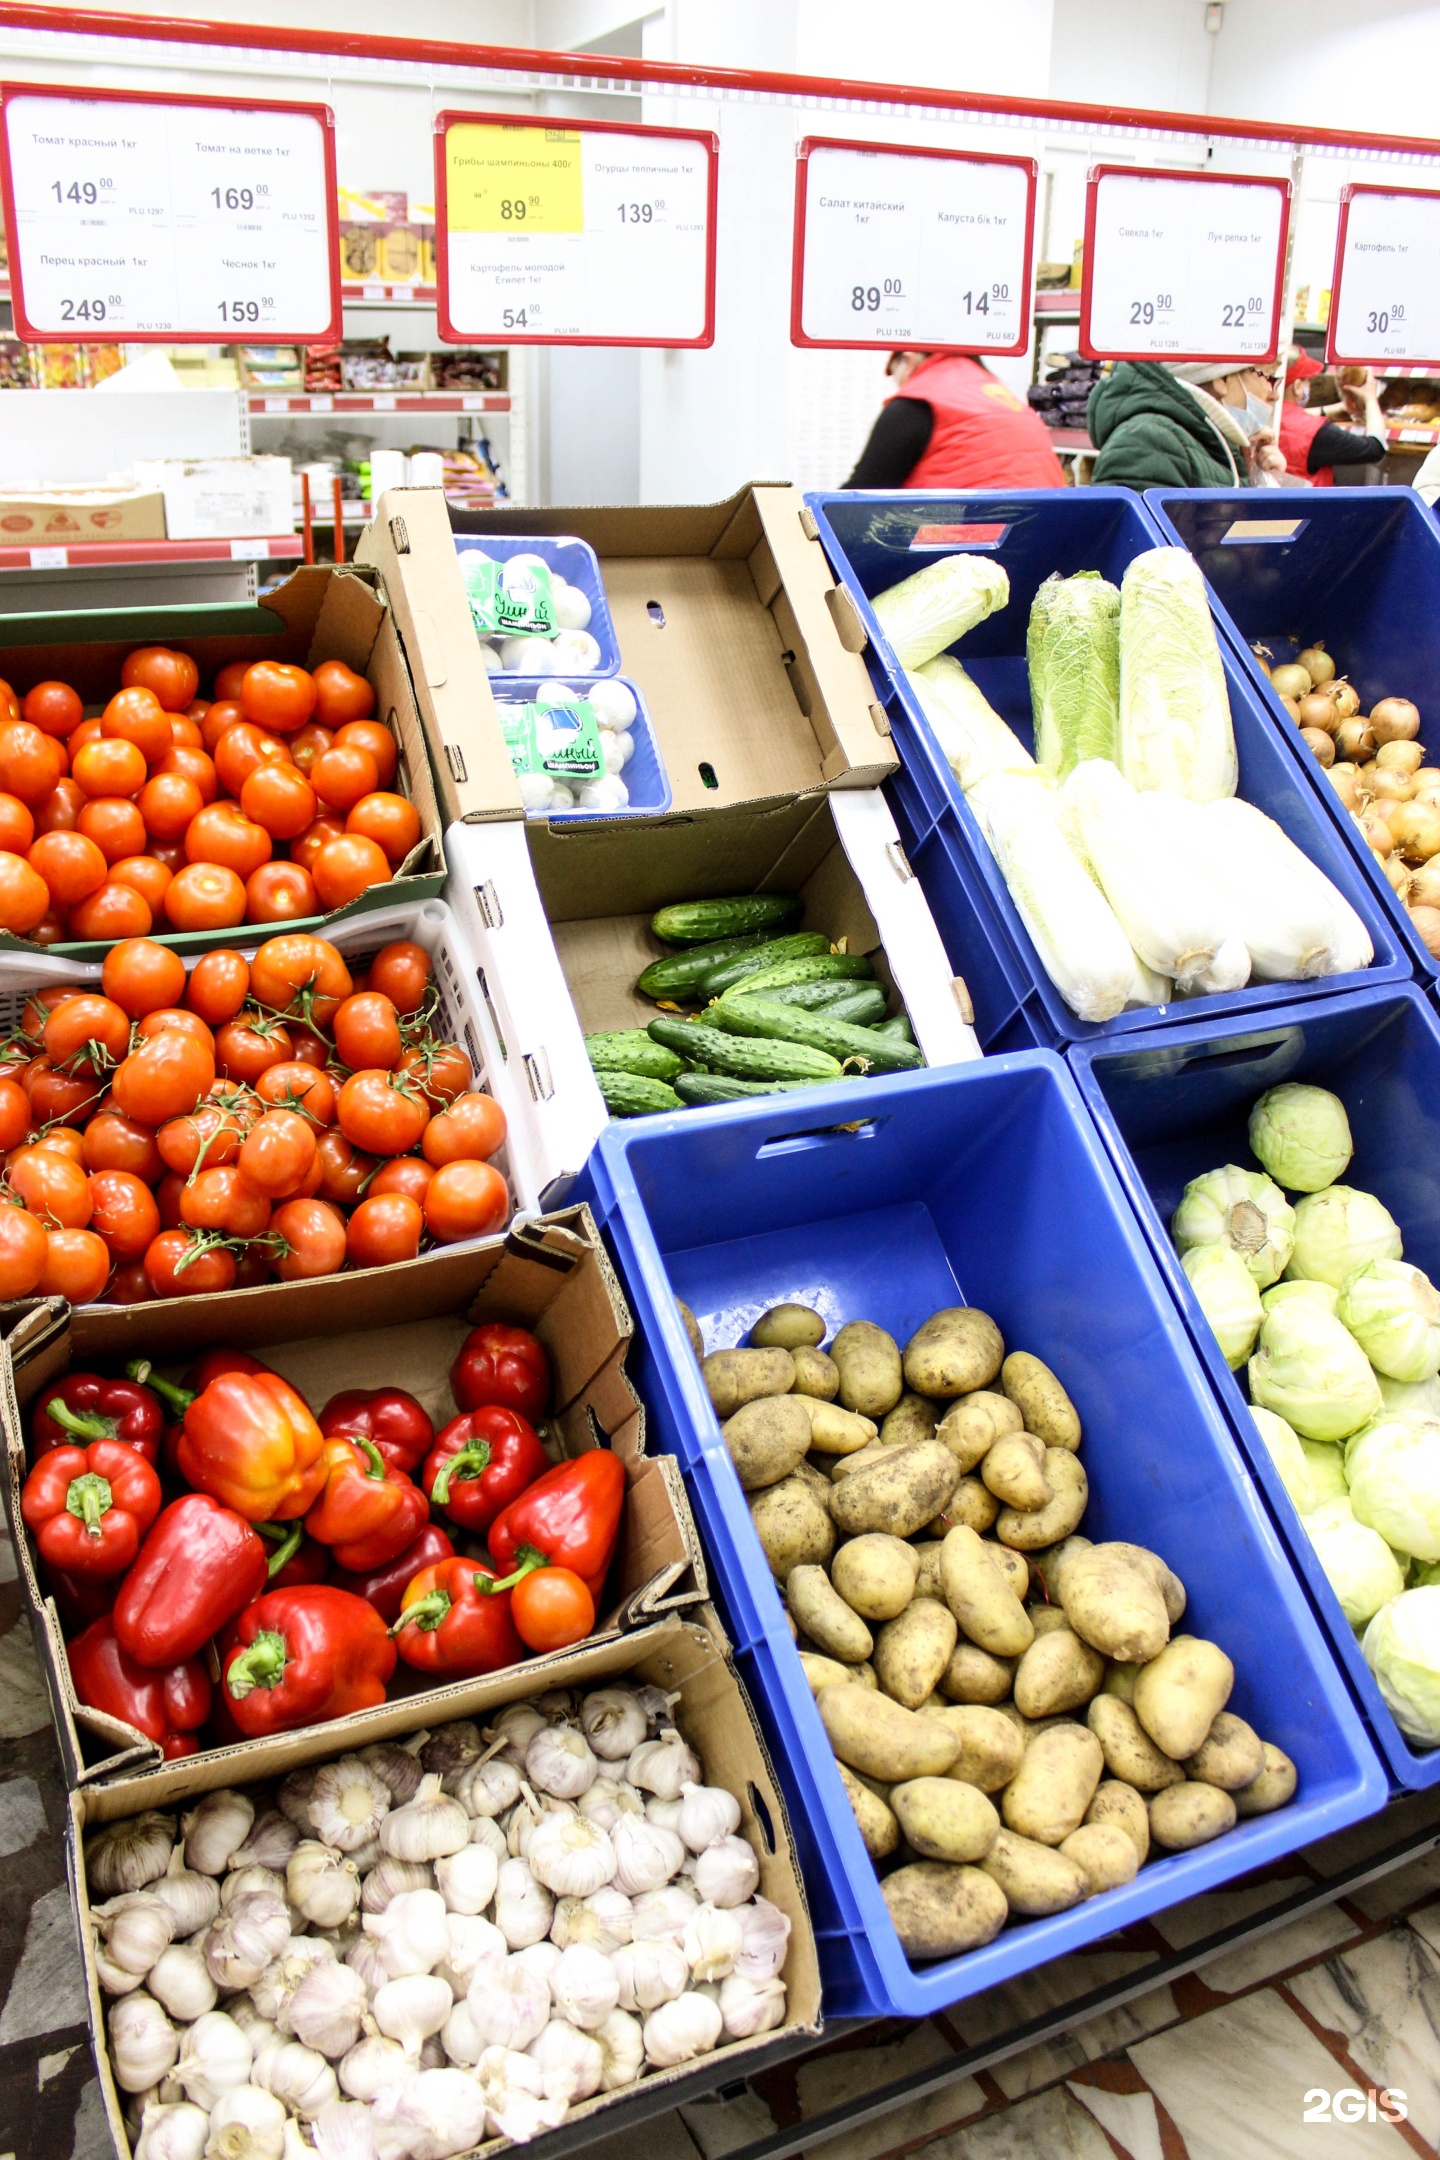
{"x": 984, "y": 436}
{"x": 1296, "y": 432}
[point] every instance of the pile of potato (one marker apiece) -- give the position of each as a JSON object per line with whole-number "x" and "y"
{"x": 1015, "y": 1725}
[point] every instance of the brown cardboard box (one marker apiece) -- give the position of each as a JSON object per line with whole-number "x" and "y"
{"x": 355, "y": 1331}
{"x": 61, "y": 517}
{"x": 728, "y": 619}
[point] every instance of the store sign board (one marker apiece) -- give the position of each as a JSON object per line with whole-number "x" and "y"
{"x": 922, "y": 248}
{"x": 586, "y": 233}
{"x": 1385, "y": 309}
{"x": 1183, "y": 266}
{"x": 149, "y": 218}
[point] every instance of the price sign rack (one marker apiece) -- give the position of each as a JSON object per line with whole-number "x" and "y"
{"x": 1183, "y": 266}
{"x": 151, "y": 218}
{"x": 1385, "y": 304}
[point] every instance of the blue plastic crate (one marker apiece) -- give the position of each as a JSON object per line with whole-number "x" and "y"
{"x": 645, "y": 775}
{"x": 986, "y": 1182}
{"x": 578, "y": 564}
{"x": 875, "y": 540}
{"x": 1361, "y": 572}
{"x": 1172, "y": 1105}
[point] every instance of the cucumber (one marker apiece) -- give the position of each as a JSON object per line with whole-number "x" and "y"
{"x": 703, "y": 1088}
{"x": 746, "y": 1060}
{"x": 859, "y": 1005}
{"x": 899, "y": 1027}
{"x": 815, "y": 967}
{"x": 692, "y": 922}
{"x": 764, "y": 1017}
{"x": 822, "y": 996}
{"x": 631, "y": 1051}
{"x": 804, "y": 945}
{"x": 678, "y": 973}
{"x": 632, "y": 1095}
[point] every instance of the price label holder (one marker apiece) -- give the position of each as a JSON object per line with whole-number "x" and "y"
{"x": 1183, "y": 266}
{"x": 925, "y": 248}
{"x": 1386, "y": 306}
{"x": 582, "y": 233}
{"x": 146, "y": 218}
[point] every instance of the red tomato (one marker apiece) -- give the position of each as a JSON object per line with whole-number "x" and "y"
{"x": 390, "y": 821}
{"x": 280, "y": 892}
{"x": 17, "y": 824}
{"x": 130, "y": 1286}
{"x": 72, "y": 866}
{"x": 343, "y": 775}
{"x": 296, "y": 973}
{"x": 278, "y": 696}
{"x": 295, "y": 1085}
{"x": 58, "y": 1098}
{"x": 9, "y": 703}
{"x": 345, "y": 868}
{"x": 64, "y": 1140}
{"x": 181, "y": 1019}
{"x": 178, "y": 1263}
{"x": 309, "y": 744}
{"x": 246, "y": 1048}
{"x": 384, "y": 1228}
{"x": 402, "y": 972}
{"x": 77, "y": 1266}
{"x": 219, "y": 719}
{"x": 315, "y": 1234}
{"x": 229, "y": 678}
{"x": 185, "y": 727}
{"x": 192, "y": 764}
{"x": 115, "y": 825}
{"x": 381, "y": 1112}
{"x": 24, "y": 895}
{"x": 343, "y": 1168}
{"x": 280, "y": 798}
{"x": 24, "y": 1249}
{"x": 57, "y": 811}
{"x": 311, "y": 1047}
{"x": 223, "y": 1199}
{"x": 112, "y": 911}
{"x": 142, "y": 976}
{"x": 124, "y": 1213}
{"x": 341, "y": 695}
{"x": 111, "y": 766}
{"x": 205, "y": 896}
{"x": 146, "y": 875}
{"x": 466, "y": 1199}
{"x": 135, "y": 716}
{"x": 54, "y": 708}
{"x": 172, "y": 676}
{"x": 316, "y": 836}
{"x": 408, "y": 1174}
{"x": 53, "y": 928}
{"x": 243, "y": 750}
{"x": 113, "y": 1142}
{"x": 88, "y": 1027}
{"x": 55, "y": 1189}
{"x": 221, "y": 833}
{"x": 374, "y": 736}
{"x": 168, "y": 1195}
{"x": 277, "y": 1153}
{"x": 165, "y": 1078}
{"x": 219, "y": 985}
{"x": 169, "y": 804}
{"x": 367, "y": 1032}
{"x": 30, "y": 762}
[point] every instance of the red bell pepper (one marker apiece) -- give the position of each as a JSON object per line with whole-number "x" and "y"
{"x": 481, "y": 1461}
{"x": 82, "y": 1598}
{"x": 166, "y": 1706}
{"x": 88, "y": 1508}
{"x": 570, "y": 1518}
{"x": 398, "y": 1425}
{"x": 367, "y": 1512}
{"x": 449, "y": 1625}
{"x": 199, "y": 1565}
{"x": 504, "y": 1365}
{"x": 302, "y": 1657}
{"x": 384, "y": 1587}
{"x": 294, "y": 1558}
{"x": 84, "y": 1407}
{"x": 214, "y": 1362}
{"x": 250, "y": 1441}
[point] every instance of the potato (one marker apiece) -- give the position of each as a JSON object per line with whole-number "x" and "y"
{"x": 944, "y": 1819}
{"x": 874, "y": 1451}
{"x": 1014, "y": 1470}
{"x": 1229, "y": 1756}
{"x": 976, "y": 1676}
{"x": 815, "y": 1374}
{"x": 1012, "y": 1566}
{"x": 822, "y": 1671}
{"x": 1120, "y": 1680}
{"x": 869, "y": 1362}
{"x": 692, "y": 1329}
{"x": 876, "y": 1575}
{"x": 898, "y": 1495}
{"x": 1031, "y": 1530}
{"x": 1048, "y": 1795}
{"x": 912, "y": 1652}
{"x": 814, "y": 1480}
{"x": 878, "y": 1827}
{"x": 976, "y": 1423}
{"x": 942, "y": 1912}
{"x": 990, "y": 1746}
{"x": 834, "y": 1431}
{"x": 927, "y": 1576}
{"x": 913, "y": 1418}
{"x": 825, "y": 1617}
{"x": 1042, "y": 1402}
{"x": 1058, "y": 1672}
{"x": 881, "y": 1738}
{"x": 793, "y": 1526}
{"x": 864, "y": 1675}
{"x": 1171, "y": 1589}
{"x": 1120, "y": 1804}
{"x": 767, "y": 1439}
{"x": 1186, "y": 1815}
{"x": 1035, "y": 1879}
{"x": 1104, "y": 1853}
{"x": 1021, "y": 1724}
{"x": 736, "y": 1377}
{"x": 1272, "y": 1789}
{"x": 1045, "y": 1619}
{"x": 970, "y": 1506}
{"x": 788, "y": 1327}
{"x": 980, "y": 1597}
{"x": 1130, "y": 1753}
{"x": 1114, "y": 1605}
{"x": 1049, "y": 1561}
{"x": 956, "y": 1350}
{"x": 1181, "y": 1692}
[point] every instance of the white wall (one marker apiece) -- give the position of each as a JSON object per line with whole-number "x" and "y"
{"x": 1369, "y": 64}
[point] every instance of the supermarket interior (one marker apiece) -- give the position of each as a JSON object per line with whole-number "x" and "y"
{"x": 827, "y": 621}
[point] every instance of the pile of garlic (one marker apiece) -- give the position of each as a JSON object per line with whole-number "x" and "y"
{"x": 416, "y": 1947}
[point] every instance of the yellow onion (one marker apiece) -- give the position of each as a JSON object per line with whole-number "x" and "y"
{"x": 1292, "y": 706}
{"x": 1427, "y": 777}
{"x": 1389, "y": 786}
{"x": 1345, "y": 779}
{"x": 1399, "y": 876}
{"x": 1320, "y": 743}
{"x": 1291, "y": 680}
{"x": 1355, "y": 738}
{"x": 1425, "y": 886}
{"x": 1401, "y": 757}
{"x": 1317, "y": 664}
{"x": 1346, "y": 698}
{"x": 1395, "y": 719}
{"x": 1378, "y": 836}
{"x": 1318, "y": 710}
{"x": 1427, "y": 924}
{"x": 1415, "y": 829}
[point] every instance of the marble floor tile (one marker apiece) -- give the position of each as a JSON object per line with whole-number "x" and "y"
{"x": 1130, "y": 2119}
{"x": 1426, "y": 1924}
{"x": 1402, "y": 1887}
{"x": 1115, "y": 2029}
{"x": 1185, "y": 1924}
{"x": 719, "y": 2126}
{"x": 47, "y": 1993}
{"x": 1048, "y": 1987}
{"x": 1234, "y": 2081}
{"x": 22, "y": 1815}
{"x": 1384, "y": 1997}
{"x": 1051, "y": 2127}
{"x": 1292, "y": 1945}
{"x": 833, "y": 2079}
{"x": 922, "y": 2118}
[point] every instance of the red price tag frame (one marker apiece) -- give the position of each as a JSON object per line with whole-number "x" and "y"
{"x": 64, "y": 334}
{"x": 1090, "y": 351}
{"x": 1333, "y": 357}
{"x": 1028, "y": 166}
{"x": 449, "y": 335}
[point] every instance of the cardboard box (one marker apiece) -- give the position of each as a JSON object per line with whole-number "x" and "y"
{"x": 221, "y": 498}
{"x": 729, "y": 620}
{"x": 687, "y": 1657}
{"x": 348, "y": 1331}
{"x": 59, "y": 517}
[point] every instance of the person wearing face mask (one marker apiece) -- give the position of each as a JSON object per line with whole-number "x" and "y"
{"x": 950, "y": 423}
{"x": 1313, "y": 444}
{"x": 1183, "y": 424}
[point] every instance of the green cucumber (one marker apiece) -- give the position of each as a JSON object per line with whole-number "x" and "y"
{"x": 746, "y": 1060}
{"x": 704, "y": 1088}
{"x": 814, "y": 967}
{"x": 632, "y": 1095}
{"x": 899, "y": 1027}
{"x": 631, "y": 1051}
{"x": 859, "y": 1005}
{"x": 804, "y": 945}
{"x": 678, "y": 973}
{"x": 764, "y": 1017}
{"x": 821, "y": 996}
{"x": 692, "y": 922}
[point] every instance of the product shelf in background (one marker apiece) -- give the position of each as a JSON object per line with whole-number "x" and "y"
{"x": 94, "y": 554}
{"x": 298, "y": 405}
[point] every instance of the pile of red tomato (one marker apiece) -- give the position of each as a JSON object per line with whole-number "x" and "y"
{"x": 258, "y": 1119}
{"x": 269, "y": 803}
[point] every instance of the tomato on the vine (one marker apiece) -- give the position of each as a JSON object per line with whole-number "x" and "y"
{"x": 465, "y": 1199}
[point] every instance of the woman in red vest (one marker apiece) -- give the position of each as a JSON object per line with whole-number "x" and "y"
{"x": 952, "y": 424}
{"x": 1311, "y": 442}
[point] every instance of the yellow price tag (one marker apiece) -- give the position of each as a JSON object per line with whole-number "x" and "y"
{"x": 513, "y": 179}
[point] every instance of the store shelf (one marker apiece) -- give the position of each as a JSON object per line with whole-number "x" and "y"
{"x": 294, "y": 405}
{"x": 380, "y": 293}
{"x": 104, "y": 554}
{"x": 1412, "y": 438}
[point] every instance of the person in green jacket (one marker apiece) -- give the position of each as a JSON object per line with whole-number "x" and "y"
{"x": 1182, "y": 424}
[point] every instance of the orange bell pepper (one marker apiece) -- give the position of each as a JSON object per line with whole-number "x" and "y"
{"x": 249, "y": 1441}
{"x": 367, "y": 1511}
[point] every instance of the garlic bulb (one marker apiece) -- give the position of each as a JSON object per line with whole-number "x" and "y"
{"x": 432, "y": 2053}
{"x": 246, "y": 1880}
{"x": 293, "y": 1798}
{"x": 366, "y": 1856}
{"x": 657, "y": 1704}
{"x": 487, "y": 1786}
{"x": 749, "y": 2007}
{"x": 427, "y": 1827}
{"x": 663, "y": 1766}
{"x": 648, "y": 1974}
{"x": 326, "y": 2009}
{"x": 613, "y": 1722}
{"x": 473, "y": 1942}
{"x": 484, "y": 1830}
{"x": 515, "y": 1728}
{"x": 584, "y": 1988}
{"x": 606, "y": 1800}
{"x": 523, "y": 1907}
{"x": 363, "y": 1957}
{"x": 429, "y": 2115}
{"x": 389, "y": 1877}
{"x": 411, "y": 2009}
{"x": 556, "y": 1702}
{"x": 413, "y": 1932}
{"x": 319, "y": 1884}
{"x": 460, "y": 2038}
{"x": 466, "y": 1879}
{"x": 447, "y": 1752}
{"x": 509, "y": 2003}
{"x": 727, "y": 1873}
{"x": 215, "y": 1829}
{"x": 570, "y": 1856}
{"x": 372, "y": 2063}
{"x": 680, "y": 2030}
{"x": 764, "y": 1939}
{"x": 541, "y": 1958}
{"x": 707, "y": 1814}
{"x": 258, "y": 2031}
{"x": 559, "y": 1761}
{"x": 663, "y": 1915}
{"x": 571, "y": 2062}
{"x": 513, "y": 2089}
{"x": 243, "y": 1940}
{"x": 296, "y": 2075}
{"x": 127, "y": 1855}
{"x": 180, "y": 1982}
{"x": 342, "y": 2131}
{"x": 665, "y": 1812}
{"x": 143, "y": 2042}
{"x": 273, "y": 1837}
{"x": 711, "y": 1942}
{"x": 173, "y": 2132}
{"x": 348, "y": 1802}
{"x": 192, "y": 1899}
{"x": 526, "y": 1818}
{"x": 215, "y": 2057}
{"x": 396, "y": 1767}
{"x": 112, "y": 1977}
{"x": 134, "y": 1928}
{"x": 646, "y": 1855}
{"x": 615, "y": 1914}
{"x": 622, "y": 2046}
{"x": 246, "y": 2124}
{"x": 273, "y": 1990}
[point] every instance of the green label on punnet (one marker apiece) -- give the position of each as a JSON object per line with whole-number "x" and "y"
{"x": 562, "y": 741}
{"x": 526, "y": 600}
{"x": 481, "y": 579}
